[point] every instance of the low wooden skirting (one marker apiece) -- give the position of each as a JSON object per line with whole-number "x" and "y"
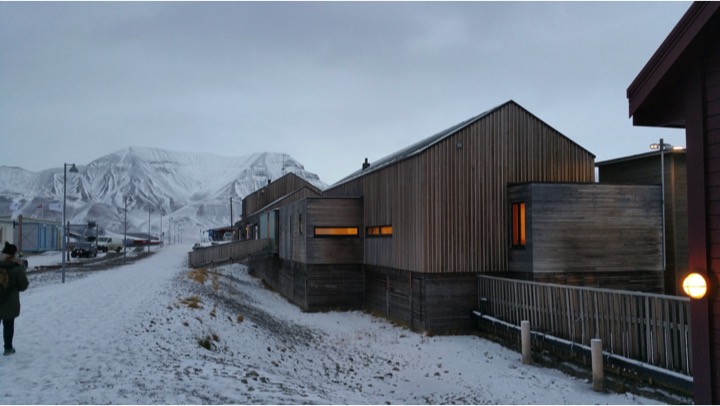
{"x": 313, "y": 287}
{"x": 434, "y": 303}
{"x": 235, "y": 251}
{"x": 438, "y": 303}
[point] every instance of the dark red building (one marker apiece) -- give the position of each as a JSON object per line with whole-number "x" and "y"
{"x": 679, "y": 87}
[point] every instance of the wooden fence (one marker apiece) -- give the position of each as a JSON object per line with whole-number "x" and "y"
{"x": 650, "y": 328}
{"x": 224, "y": 252}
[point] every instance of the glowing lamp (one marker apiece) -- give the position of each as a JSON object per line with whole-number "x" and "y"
{"x": 695, "y": 286}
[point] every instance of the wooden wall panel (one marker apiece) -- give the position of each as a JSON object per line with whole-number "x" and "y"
{"x": 274, "y": 191}
{"x": 448, "y": 204}
{"x": 711, "y": 103}
{"x": 334, "y": 212}
{"x": 645, "y": 170}
{"x": 594, "y": 228}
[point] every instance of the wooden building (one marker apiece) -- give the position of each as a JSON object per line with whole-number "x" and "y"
{"x": 424, "y": 221}
{"x": 406, "y": 236}
{"x": 259, "y": 215}
{"x": 443, "y": 206}
{"x": 646, "y": 169}
{"x": 679, "y": 87}
{"x": 587, "y": 235}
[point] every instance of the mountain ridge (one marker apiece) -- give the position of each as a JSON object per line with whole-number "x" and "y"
{"x": 195, "y": 188}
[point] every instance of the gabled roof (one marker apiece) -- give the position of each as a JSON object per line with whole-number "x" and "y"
{"x": 310, "y": 188}
{"x": 669, "y": 53}
{"x": 636, "y": 157}
{"x": 423, "y": 145}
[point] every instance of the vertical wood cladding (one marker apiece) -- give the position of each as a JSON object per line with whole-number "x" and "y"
{"x": 711, "y": 102}
{"x": 447, "y": 204}
{"x": 274, "y": 191}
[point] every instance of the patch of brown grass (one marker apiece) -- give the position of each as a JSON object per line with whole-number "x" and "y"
{"x": 199, "y": 275}
{"x": 192, "y": 302}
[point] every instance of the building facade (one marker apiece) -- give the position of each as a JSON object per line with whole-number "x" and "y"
{"x": 679, "y": 87}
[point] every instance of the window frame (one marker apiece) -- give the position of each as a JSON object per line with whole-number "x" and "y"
{"x": 355, "y": 235}
{"x": 385, "y": 231}
{"x": 518, "y": 224}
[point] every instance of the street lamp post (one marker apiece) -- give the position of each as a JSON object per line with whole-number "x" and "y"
{"x": 125, "y": 234}
{"x": 73, "y": 169}
{"x": 148, "y": 240}
{"x": 162, "y": 234}
{"x": 662, "y": 147}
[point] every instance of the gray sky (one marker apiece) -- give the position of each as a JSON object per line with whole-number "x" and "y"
{"x": 328, "y": 83}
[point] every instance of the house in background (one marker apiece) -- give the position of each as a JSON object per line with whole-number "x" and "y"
{"x": 679, "y": 87}
{"x": 29, "y": 234}
{"x": 406, "y": 236}
{"x": 260, "y": 208}
{"x": 647, "y": 169}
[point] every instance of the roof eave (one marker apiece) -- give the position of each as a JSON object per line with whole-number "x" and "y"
{"x": 669, "y": 52}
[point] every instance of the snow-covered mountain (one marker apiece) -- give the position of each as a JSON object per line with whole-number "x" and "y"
{"x": 192, "y": 189}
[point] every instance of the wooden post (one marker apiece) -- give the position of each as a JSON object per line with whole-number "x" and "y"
{"x": 598, "y": 371}
{"x": 525, "y": 341}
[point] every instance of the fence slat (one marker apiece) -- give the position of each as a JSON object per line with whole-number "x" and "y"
{"x": 646, "y": 327}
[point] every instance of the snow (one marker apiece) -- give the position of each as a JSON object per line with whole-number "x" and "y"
{"x": 129, "y": 335}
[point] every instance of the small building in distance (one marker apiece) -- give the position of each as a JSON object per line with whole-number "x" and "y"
{"x": 31, "y": 235}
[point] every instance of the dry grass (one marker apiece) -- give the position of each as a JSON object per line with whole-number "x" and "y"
{"x": 199, "y": 275}
{"x": 192, "y": 302}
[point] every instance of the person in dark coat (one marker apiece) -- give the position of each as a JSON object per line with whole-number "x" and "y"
{"x": 10, "y": 289}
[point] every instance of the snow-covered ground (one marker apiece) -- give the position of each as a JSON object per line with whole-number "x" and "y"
{"x": 133, "y": 335}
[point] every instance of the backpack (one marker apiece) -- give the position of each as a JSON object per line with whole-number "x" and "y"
{"x": 4, "y": 285}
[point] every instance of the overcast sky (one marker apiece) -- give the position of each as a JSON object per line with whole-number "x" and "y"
{"x": 328, "y": 83}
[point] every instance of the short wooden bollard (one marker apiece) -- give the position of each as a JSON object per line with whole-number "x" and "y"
{"x": 525, "y": 341}
{"x": 598, "y": 371}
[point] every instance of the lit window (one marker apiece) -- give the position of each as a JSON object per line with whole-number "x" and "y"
{"x": 379, "y": 231}
{"x": 336, "y": 231}
{"x": 518, "y": 224}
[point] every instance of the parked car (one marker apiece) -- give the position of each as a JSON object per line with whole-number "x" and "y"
{"x": 84, "y": 250}
{"x": 106, "y": 244}
{"x": 228, "y": 236}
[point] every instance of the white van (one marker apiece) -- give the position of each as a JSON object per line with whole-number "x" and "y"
{"x": 106, "y": 244}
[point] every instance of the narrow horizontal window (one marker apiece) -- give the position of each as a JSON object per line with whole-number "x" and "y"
{"x": 379, "y": 231}
{"x": 336, "y": 231}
